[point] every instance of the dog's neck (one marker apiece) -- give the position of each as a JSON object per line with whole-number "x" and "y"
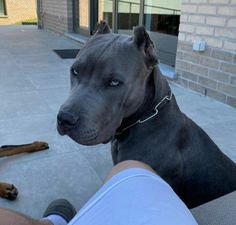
{"x": 157, "y": 89}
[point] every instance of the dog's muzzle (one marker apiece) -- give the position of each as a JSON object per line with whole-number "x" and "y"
{"x": 65, "y": 122}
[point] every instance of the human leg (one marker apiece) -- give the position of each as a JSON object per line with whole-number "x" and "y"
{"x": 59, "y": 212}
{"x": 9, "y": 217}
{"x": 128, "y": 164}
{"x": 134, "y": 194}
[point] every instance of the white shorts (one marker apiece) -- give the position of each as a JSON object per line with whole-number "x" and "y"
{"x": 134, "y": 197}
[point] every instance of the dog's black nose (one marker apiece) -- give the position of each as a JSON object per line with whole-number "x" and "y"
{"x": 66, "y": 120}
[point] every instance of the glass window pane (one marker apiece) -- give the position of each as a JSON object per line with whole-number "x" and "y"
{"x": 105, "y": 8}
{"x": 128, "y": 15}
{"x": 2, "y": 11}
{"x": 162, "y": 19}
{"x": 84, "y": 14}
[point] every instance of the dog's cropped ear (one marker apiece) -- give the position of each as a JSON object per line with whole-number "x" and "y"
{"x": 102, "y": 28}
{"x": 145, "y": 44}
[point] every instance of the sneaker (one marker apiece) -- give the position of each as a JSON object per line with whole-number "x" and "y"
{"x": 62, "y": 208}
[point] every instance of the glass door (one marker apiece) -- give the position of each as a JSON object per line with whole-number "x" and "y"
{"x": 88, "y": 12}
{"x": 161, "y": 19}
{"x": 105, "y": 11}
{"x": 2, "y": 7}
{"x": 84, "y": 14}
{"x": 82, "y": 20}
{"x": 128, "y": 15}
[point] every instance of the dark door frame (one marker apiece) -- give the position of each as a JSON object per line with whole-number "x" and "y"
{"x": 115, "y": 14}
{"x": 4, "y": 9}
{"x": 93, "y": 17}
{"x": 93, "y": 10}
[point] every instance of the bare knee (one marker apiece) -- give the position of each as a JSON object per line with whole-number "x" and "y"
{"x": 127, "y": 165}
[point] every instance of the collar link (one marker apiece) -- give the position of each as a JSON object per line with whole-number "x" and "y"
{"x": 166, "y": 99}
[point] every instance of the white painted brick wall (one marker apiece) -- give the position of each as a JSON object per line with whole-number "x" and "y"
{"x": 219, "y": 1}
{"x": 232, "y": 22}
{"x": 230, "y": 45}
{"x": 227, "y": 10}
{"x": 187, "y": 28}
{"x": 202, "y": 30}
{"x": 211, "y": 20}
{"x": 196, "y": 19}
{"x": 55, "y": 15}
{"x": 181, "y": 37}
{"x": 198, "y": 1}
{"x": 213, "y": 42}
{"x": 185, "y": 1}
{"x": 212, "y": 72}
{"x": 216, "y": 21}
{"x": 225, "y": 33}
{"x": 183, "y": 18}
{"x": 204, "y": 9}
{"x": 188, "y": 8}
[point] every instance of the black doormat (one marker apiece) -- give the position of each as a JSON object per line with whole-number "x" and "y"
{"x": 29, "y": 23}
{"x": 67, "y": 53}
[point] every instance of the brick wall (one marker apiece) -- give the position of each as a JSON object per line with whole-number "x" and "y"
{"x": 212, "y": 72}
{"x": 57, "y": 15}
{"x": 18, "y": 10}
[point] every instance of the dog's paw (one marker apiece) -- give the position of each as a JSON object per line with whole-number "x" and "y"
{"x": 8, "y": 191}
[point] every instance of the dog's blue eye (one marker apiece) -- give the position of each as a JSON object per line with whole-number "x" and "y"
{"x": 74, "y": 72}
{"x": 114, "y": 83}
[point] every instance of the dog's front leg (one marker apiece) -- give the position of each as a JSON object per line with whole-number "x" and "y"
{"x": 8, "y": 191}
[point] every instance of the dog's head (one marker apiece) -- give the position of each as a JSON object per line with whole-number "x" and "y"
{"x": 108, "y": 81}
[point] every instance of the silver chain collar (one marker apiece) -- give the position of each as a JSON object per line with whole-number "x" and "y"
{"x": 166, "y": 98}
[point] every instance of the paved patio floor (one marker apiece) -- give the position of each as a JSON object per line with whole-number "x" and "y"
{"x": 34, "y": 81}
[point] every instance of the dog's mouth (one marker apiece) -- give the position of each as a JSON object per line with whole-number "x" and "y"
{"x": 107, "y": 140}
{"x": 88, "y": 137}
{"x": 83, "y": 137}
{"x": 61, "y": 130}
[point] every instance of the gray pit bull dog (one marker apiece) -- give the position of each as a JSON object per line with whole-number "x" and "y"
{"x": 118, "y": 94}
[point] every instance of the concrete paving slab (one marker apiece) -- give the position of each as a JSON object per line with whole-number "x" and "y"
{"x": 20, "y": 104}
{"x": 54, "y": 97}
{"x": 204, "y": 110}
{"x": 38, "y": 59}
{"x": 49, "y": 80}
{"x": 34, "y": 82}
{"x": 28, "y": 129}
{"x": 224, "y": 135}
{"x": 101, "y": 152}
{"x": 17, "y": 82}
{"x": 42, "y": 180}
